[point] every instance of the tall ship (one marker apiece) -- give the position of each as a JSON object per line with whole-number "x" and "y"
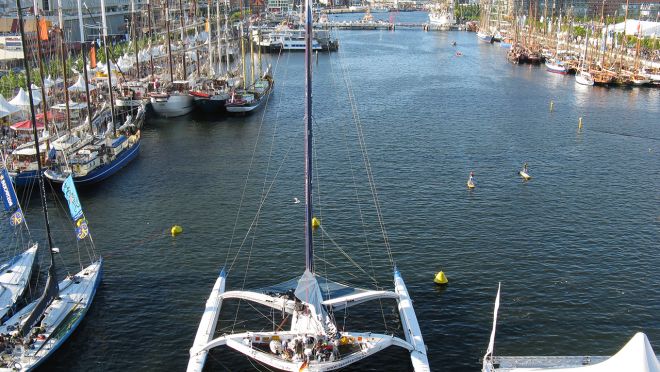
{"x": 441, "y": 15}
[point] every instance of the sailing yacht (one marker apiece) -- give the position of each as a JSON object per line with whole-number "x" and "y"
{"x": 16, "y": 271}
{"x": 34, "y": 333}
{"x": 313, "y": 342}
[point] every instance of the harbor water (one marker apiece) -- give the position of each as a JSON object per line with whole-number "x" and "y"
{"x": 575, "y": 248}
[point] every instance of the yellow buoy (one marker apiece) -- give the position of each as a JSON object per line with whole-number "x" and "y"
{"x": 580, "y": 123}
{"x": 176, "y": 230}
{"x": 552, "y": 105}
{"x": 440, "y": 278}
{"x": 315, "y": 223}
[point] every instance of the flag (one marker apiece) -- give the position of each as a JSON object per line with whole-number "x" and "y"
{"x": 82, "y": 230}
{"x": 43, "y": 30}
{"x": 16, "y": 218}
{"x": 71, "y": 196}
{"x": 92, "y": 56}
{"x": 9, "y": 198}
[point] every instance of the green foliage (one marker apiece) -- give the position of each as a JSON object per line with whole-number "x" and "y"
{"x": 579, "y": 31}
{"x": 467, "y": 12}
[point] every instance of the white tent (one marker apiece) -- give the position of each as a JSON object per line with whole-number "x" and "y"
{"x": 7, "y": 108}
{"x": 36, "y": 93}
{"x": 23, "y": 100}
{"x": 79, "y": 86}
{"x": 646, "y": 28}
{"x": 48, "y": 82}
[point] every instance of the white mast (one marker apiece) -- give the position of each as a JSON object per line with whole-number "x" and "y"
{"x": 210, "y": 32}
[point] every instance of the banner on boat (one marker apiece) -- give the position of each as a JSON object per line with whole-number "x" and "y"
{"x": 8, "y": 193}
{"x": 71, "y": 195}
{"x": 69, "y": 190}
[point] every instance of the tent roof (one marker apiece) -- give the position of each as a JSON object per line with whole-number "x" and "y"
{"x": 79, "y": 85}
{"x": 26, "y": 125}
{"x": 646, "y": 28}
{"x": 7, "y": 108}
{"x": 22, "y": 99}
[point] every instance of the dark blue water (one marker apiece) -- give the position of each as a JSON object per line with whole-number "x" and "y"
{"x": 576, "y": 248}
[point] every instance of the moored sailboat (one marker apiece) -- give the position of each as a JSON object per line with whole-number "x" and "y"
{"x": 15, "y": 272}
{"x": 31, "y": 335}
{"x": 314, "y": 341}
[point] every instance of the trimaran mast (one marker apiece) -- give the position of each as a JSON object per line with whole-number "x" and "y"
{"x": 309, "y": 247}
{"x": 52, "y": 290}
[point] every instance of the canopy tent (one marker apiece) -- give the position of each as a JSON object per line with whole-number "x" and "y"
{"x": 79, "y": 86}
{"x": 23, "y": 100}
{"x": 26, "y": 125}
{"x": 48, "y": 82}
{"x": 646, "y": 28}
{"x": 7, "y": 108}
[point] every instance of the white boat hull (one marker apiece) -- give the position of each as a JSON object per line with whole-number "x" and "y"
{"x": 207, "y": 325}
{"x": 172, "y": 105}
{"x": 61, "y": 318}
{"x": 584, "y": 78}
{"x": 14, "y": 278}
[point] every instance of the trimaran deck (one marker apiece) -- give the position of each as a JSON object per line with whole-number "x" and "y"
{"x": 313, "y": 342}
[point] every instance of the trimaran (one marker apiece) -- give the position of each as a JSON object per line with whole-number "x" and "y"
{"x": 309, "y": 301}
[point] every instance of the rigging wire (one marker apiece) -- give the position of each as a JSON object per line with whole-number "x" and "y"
{"x": 365, "y": 156}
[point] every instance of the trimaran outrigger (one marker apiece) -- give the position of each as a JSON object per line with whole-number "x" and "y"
{"x": 309, "y": 301}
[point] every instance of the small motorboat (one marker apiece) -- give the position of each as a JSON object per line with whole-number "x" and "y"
{"x": 525, "y": 176}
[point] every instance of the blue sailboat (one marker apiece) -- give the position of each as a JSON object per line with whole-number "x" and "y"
{"x": 95, "y": 158}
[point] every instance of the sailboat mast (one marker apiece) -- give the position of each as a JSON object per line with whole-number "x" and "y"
{"x": 84, "y": 60}
{"x": 109, "y": 66}
{"x": 624, "y": 42}
{"x": 51, "y": 291}
{"x": 44, "y": 104}
{"x": 64, "y": 75}
{"x": 224, "y": 34}
{"x": 183, "y": 41}
{"x": 210, "y": 33}
{"x": 135, "y": 41}
{"x": 151, "y": 57}
{"x": 169, "y": 41}
{"x": 309, "y": 248}
{"x": 217, "y": 26}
